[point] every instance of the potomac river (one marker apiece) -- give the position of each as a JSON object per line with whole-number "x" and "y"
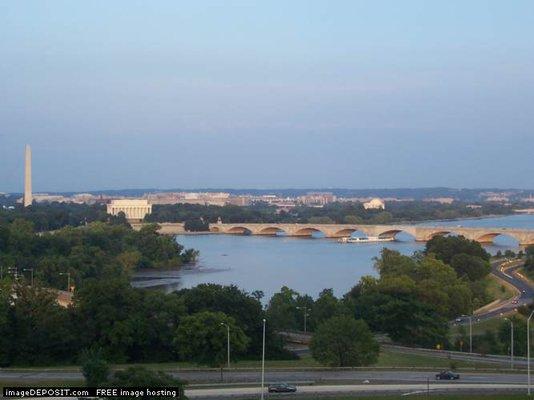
{"x": 307, "y": 265}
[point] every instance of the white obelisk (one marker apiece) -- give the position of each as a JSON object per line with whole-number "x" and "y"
{"x": 28, "y": 176}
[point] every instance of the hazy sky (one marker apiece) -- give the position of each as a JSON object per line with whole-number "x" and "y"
{"x": 130, "y": 94}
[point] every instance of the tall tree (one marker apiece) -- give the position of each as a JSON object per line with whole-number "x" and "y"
{"x": 445, "y": 248}
{"x": 202, "y": 338}
{"x": 40, "y": 327}
{"x": 343, "y": 341}
{"x": 282, "y": 309}
{"x": 472, "y": 267}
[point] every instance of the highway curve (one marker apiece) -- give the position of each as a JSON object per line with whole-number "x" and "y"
{"x": 510, "y": 276}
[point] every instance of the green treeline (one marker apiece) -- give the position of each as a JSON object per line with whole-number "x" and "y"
{"x": 131, "y": 325}
{"x": 93, "y": 251}
{"x": 51, "y": 216}
{"x": 411, "y": 301}
{"x": 199, "y": 216}
{"x": 529, "y": 262}
{"x": 423, "y": 288}
{"x": 108, "y": 315}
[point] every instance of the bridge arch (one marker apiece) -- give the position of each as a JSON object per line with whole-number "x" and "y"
{"x": 498, "y": 238}
{"x": 271, "y": 230}
{"x": 239, "y": 230}
{"x": 397, "y": 234}
{"x": 309, "y": 232}
{"x": 215, "y": 229}
{"x": 346, "y": 232}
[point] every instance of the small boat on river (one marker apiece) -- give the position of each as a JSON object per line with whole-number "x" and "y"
{"x": 369, "y": 239}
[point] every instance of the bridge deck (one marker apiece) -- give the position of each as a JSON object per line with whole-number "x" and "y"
{"x": 420, "y": 233}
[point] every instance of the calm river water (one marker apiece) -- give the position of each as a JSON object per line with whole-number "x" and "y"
{"x": 306, "y": 265}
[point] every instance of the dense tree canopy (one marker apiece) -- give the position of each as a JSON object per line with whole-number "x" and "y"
{"x": 196, "y": 225}
{"x": 87, "y": 252}
{"x": 445, "y": 248}
{"x": 286, "y": 309}
{"x": 37, "y": 328}
{"x": 529, "y": 261}
{"x": 51, "y": 216}
{"x": 472, "y": 267}
{"x": 467, "y": 257}
{"x": 243, "y": 307}
{"x": 339, "y": 212}
{"x": 343, "y": 341}
{"x": 412, "y": 299}
{"x": 398, "y": 312}
{"x": 97, "y": 373}
{"x": 95, "y": 368}
{"x": 202, "y": 338}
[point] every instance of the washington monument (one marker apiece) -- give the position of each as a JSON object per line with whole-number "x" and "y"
{"x": 28, "y": 176}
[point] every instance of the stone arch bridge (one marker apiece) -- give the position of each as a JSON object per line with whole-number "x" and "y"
{"x": 420, "y": 233}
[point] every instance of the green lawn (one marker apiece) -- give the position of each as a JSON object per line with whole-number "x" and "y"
{"x": 478, "y": 327}
{"x": 397, "y": 359}
{"x": 386, "y": 359}
{"x": 497, "y": 290}
{"x": 481, "y": 327}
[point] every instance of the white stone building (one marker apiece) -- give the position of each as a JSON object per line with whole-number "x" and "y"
{"x": 133, "y": 209}
{"x": 375, "y": 204}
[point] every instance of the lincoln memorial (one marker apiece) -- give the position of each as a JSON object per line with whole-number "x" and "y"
{"x": 133, "y": 209}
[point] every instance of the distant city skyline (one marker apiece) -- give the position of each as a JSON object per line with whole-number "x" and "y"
{"x": 226, "y": 94}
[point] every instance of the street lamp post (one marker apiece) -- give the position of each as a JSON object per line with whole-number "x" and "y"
{"x": 470, "y": 332}
{"x": 305, "y": 316}
{"x": 528, "y": 349}
{"x": 31, "y": 279}
{"x": 68, "y": 279}
{"x": 227, "y": 341}
{"x": 511, "y": 342}
{"x": 263, "y": 362}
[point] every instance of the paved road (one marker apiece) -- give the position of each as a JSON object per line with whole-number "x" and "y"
{"x": 498, "y": 360}
{"x": 286, "y": 375}
{"x": 251, "y": 392}
{"x": 347, "y": 376}
{"x": 508, "y": 274}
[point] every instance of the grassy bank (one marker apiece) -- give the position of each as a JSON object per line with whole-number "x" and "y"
{"x": 497, "y": 290}
{"x": 387, "y": 359}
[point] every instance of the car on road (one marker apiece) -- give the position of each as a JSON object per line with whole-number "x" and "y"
{"x": 447, "y": 375}
{"x": 515, "y": 301}
{"x": 281, "y": 388}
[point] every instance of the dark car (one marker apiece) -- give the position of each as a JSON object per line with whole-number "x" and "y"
{"x": 281, "y": 388}
{"x": 447, "y": 375}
